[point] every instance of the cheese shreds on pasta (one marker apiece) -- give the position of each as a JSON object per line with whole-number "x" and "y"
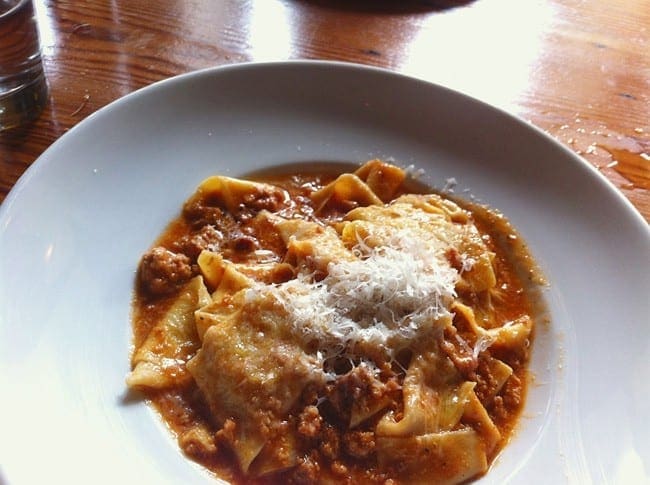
{"x": 388, "y": 297}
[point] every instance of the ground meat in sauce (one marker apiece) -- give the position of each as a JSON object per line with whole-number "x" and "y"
{"x": 208, "y": 237}
{"x": 197, "y": 442}
{"x": 329, "y": 442}
{"x": 307, "y": 471}
{"x": 271, "y": 201}
{"x": 349, "y": 387}
{"x": 310, "y": 422}
{"x": 242, "y": 243}
{"x": 324, "y": 428}
{"x": 162, "y": 272}
{"x": 198, "y": 213}
{"x": 485, "y": 382}
{"x": 359, "y": 444}
{"x": 459, "y": 352}
{"x": 234, "y": 235}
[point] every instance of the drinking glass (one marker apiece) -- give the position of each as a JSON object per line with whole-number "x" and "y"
{"x": 23, "y": 87}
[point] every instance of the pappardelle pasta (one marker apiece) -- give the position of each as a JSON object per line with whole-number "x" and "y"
{"x": 318, "y": 328}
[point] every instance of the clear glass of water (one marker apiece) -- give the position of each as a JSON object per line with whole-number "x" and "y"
{"x": 23, "y": 87}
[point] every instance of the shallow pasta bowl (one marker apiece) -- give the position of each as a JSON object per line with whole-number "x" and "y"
{"x": 73, "y": 228}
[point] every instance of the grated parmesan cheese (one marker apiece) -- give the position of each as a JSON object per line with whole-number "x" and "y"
{"x": 386, "y": 298}
{"x": 467, "y": 263}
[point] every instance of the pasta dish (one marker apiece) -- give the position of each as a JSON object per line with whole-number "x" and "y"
{"x": 319, "y": 328}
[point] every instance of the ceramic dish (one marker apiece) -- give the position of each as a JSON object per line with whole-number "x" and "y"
{"x": 74, "y": 226}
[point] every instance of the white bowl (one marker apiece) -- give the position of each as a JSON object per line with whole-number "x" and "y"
{"x": 74, "y": 226}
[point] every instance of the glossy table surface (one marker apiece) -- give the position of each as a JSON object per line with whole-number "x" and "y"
{"x": 579, "y": 70}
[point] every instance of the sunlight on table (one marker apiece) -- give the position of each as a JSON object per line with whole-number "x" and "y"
{"x": 489, "y": 50}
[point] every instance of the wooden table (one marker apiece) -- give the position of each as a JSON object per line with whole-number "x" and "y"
{"x": 578, "y": 69}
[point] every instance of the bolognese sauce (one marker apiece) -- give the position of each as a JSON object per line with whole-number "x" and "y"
{"x": 330, "y": 448}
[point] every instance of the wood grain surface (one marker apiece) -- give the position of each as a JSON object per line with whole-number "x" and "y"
{"x": 580, "y": 70}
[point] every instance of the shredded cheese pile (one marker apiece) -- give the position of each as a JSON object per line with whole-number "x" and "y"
{"x": 386, "y": 298}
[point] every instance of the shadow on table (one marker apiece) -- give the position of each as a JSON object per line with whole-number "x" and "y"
{"x": 390, "y": 6}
